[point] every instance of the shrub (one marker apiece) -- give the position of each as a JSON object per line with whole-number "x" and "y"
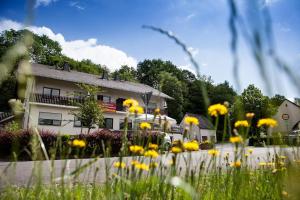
{"x": 12, "y": 126}
{"x": 57, "y": 146}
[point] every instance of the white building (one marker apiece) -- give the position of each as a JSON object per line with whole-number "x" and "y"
{"x": 204, "y": 131}
{"x": 51, "y": 93}
{"x": 288, "y": 117}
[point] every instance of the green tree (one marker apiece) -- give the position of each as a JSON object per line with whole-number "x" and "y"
{"x": 125, "y": 73}
{"x": 89, "y": 112}
{"x": 277, "y": 100}
{"x": 253, "y": 100}
{"x": 195, "y": 100}
{"x": 221, "y": 93}
{"x": 8, "y": 90}
{"x": 171, "y": 86}
{"x": 148, "y": 71}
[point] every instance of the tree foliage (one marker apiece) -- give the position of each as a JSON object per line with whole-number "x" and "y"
{"x": 171, "y": 86}
{"x": 125, "y": 73}
{"x": 277, "y": 100}
{"x": 8, "y": 90}
{"x": 252, "y": 100}
{"x": 89, "y": 112}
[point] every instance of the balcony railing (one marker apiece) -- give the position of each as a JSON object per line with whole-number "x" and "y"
{"x": 58, "y": 100}
{"x": 5, "y": 115}
{"x": 72, "y": 101}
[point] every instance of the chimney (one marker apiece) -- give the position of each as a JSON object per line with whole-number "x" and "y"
{"x": 117, "y": 77}
{"x": 66, "y": 67}
{"x": 104, "y": 75}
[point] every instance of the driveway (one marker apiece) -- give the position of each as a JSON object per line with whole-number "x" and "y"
{"x": 23, "y": 173}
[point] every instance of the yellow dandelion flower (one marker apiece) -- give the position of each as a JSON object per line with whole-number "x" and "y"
{"x": 130, "y": 102}
{"x": 153, "y": 165}
{"x": 119, "y": 165}
{"x": 250, "y": 115}
{"x": 142, "y": 166}
{"x": 78, "y": 143}
{"x": 153, "y": 146}
{"x": 236, "y": 139}
{"x": 170, "y": 162}
{"x": 250, "y": 151}
{"x": 151, "y": 153}
{"x": 236, "y": 164}
{"x": 213, "y": 152}
{"x": 176, "y": 150}
{"x": 191, "y": 120}
{"x": 136, "y": 109}
{"x": 269, "y": 122}
{"x": 217, "y": 109}
{"x": 246, "y": 155}
{"x": 268, "y": 164}
{"x": 145, "y": 125}
{"x": 134, "y": 162}
{"x": 191, "y": 146}
{"x": 136, "y": 149}
{"x": 177, "y": 142}
{"x": 241, "y": 123}
{"x": 284, "y": 193}
{"x": 262, "y": 164}
{"x": 157, "y": 111}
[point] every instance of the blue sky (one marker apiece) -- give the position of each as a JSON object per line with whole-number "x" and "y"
{"x": 109, "y": 32}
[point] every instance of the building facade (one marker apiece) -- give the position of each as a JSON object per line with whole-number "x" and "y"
{"x": 287, "y": 117}
{"x": 203, "y": 132}
{"x": 52, "y": 97}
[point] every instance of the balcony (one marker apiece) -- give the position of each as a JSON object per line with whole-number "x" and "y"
{"x": 57, "y": 100}
{"x": 72, "y": 101}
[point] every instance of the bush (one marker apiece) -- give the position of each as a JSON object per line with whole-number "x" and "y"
{"x": 58, "y": 147}
{"x": 12, "y": 126}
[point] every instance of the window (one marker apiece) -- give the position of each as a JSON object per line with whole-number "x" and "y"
{"x": 213, "y": 138}
{"x": 204, "y": 138}
{"x": 78, "y": 95}
{"x": 51, "y": 91}
{"x": 122, "y": 125}
{"x": 108, "y": 123}
{"x": 52, "y": 119}
{"x": 152, "y": 105}
{"x": 104, "y": 99}
{"x": 77, "y": 122}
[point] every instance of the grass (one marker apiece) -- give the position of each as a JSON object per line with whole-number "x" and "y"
{"x": 232, "y": 184}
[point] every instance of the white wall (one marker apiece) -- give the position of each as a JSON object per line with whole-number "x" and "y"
{"x": 67, "y": 125}
{"x": 294, "y": 116}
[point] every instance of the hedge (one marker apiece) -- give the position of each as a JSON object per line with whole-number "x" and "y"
{"x": 20, "y": 143}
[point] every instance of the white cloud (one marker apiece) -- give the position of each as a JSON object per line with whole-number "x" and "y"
{"x": 43, "y": 2}
{"x": 270, "y": 2}
{"x": 79, "y": 49}
{"x": 75, "y": 4}
{"x": 190, "y": 16}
